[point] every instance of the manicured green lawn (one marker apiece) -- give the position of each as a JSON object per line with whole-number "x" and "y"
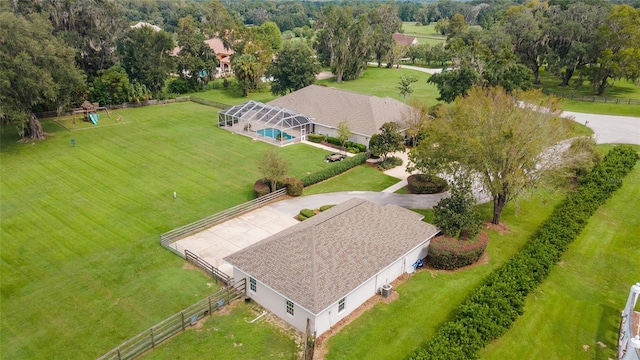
{"x": 427, "y": 299}
{"x": 383, "y": 82}
{"x": 232, "y": 95}
{"x": 230, "y": 336}
{"x": 82, "y": 269}
{"x": 621, "y": 90}
{"x": 580, "y": 303}
{"x": 360, "y": 178}
{"x": 426, "y": 34}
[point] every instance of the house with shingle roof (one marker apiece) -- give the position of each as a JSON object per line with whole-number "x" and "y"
{"x": 327, "y": 266}
{"x": 328, "y": 107}
{"x": 405, "y": 40}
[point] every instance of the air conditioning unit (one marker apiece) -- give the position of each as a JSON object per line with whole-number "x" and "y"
{"x": 386, "y": 290}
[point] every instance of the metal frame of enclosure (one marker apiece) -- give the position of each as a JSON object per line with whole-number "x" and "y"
{"x": 254, "y": 119}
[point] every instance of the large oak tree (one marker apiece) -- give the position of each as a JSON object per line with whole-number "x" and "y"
{"x": 491, "y": 134}
{"x": 36, "y": 69}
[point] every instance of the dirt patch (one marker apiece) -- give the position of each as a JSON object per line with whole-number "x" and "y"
{"x": 321, "y": 350}
{"x": 501, "y": 227}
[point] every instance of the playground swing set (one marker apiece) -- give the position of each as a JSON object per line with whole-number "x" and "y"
{"x": 90, "y": 111}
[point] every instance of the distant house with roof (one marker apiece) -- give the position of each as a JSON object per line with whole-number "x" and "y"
{"x": 327, "y": 266}
{"x": 223, "y": 54}
{"x": 405, "y": 40}
{"x": 322, "y": 108}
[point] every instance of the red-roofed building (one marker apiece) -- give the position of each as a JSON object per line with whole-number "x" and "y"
{"x": 405, "y": 40}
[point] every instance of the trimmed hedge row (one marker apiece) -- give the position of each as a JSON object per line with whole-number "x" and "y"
{"x": 334, "y": 169}
{"x": 491, "y": 309}
{"x": 448, "y": 253}
{"x": 315, "y": 138}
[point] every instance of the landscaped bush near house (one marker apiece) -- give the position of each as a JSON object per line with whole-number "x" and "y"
{"x": 425, "y": 184}
{"x": 326, "y": 207}
{"x": 389, "y": 163}
{"x": 334, "y": 141}
{"x": 316, "y": 138}
{"x": 334, "y": 169}
{"x": 491, "y": 309}
{"x": 448, "y": 253}
{"x": 301, "y": 217}
{"x": 294, "y": 186}
{"x": 359, "y": 147}
{"x": 261, "y": 188}
{"x": 307, "y": 213}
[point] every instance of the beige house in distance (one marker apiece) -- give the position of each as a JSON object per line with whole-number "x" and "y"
{"x": 328, "y": 107}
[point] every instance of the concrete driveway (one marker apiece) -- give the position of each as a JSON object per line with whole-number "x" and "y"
{"x": 610, "y": 129}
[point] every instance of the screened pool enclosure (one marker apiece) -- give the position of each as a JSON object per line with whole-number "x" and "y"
{"x": 265, "y": 122}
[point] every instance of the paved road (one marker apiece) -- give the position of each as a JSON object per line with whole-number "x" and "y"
{"x": 610, "y": 129}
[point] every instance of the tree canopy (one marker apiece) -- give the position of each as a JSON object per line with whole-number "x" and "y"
{"x": 492, "y": 136}
{"x": 294, "y": 68}
{"x": 387, "y": 141}
{"x": 146, "y": 56}
{"x": 37, "y": 69}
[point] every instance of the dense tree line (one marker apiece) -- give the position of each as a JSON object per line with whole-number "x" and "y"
{"x": 111, "y": 62}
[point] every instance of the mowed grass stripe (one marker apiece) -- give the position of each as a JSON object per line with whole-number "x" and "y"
{"x": 82, "y": 268}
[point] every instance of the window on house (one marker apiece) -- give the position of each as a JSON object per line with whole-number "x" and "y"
{"x": 289, "y": 307}
{"x": 252, "y": 284}
{"x": 341, "y": 304}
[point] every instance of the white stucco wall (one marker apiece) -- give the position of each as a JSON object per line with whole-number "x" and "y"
{"x": 276, "y": 303}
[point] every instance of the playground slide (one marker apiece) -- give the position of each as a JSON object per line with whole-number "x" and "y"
{"x": 93, "y": 118}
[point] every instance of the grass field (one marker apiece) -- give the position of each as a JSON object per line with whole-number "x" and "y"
{"x": 80, "y": 225}
{"x": 361, "y": 178}
{"x": 580, "y": 303}
{"x": 622, "y": 90}
{"x": 383, "y": 82}
{"x": 426, "y": 34}
{"x": 232, "y": 95}
{"x": 230, "y": 336}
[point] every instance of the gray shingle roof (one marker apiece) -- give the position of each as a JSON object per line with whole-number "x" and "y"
{"x": 329, "y": 106}
{"x": 317, "y": 262}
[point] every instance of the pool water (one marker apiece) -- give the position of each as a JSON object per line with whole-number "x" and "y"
{"x": 273, "y": 133}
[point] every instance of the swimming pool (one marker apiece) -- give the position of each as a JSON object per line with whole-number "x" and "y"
{"x": 274, "y": 133}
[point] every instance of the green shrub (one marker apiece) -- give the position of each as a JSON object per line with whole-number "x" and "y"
{"x": 334, "y": 169}
{"x": 491, "y": 309}
{"x": 389, "y": 163}
{"x": 353, "y": 150}
{"x": 454, "y": 215}
{"x": 447, "y": 253}
{"x": 180, "y": 86}
{"x": 326, "y": 207}
{"x": 307, "y": 213}
{"x": 294, "y": 186}
{"x": 301, "y": 217}
{"x": 424, "y": 184}
{"x": 261, "y": 188}
{"x": 316, "y": 138}
{"x": 334, "y": 141}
